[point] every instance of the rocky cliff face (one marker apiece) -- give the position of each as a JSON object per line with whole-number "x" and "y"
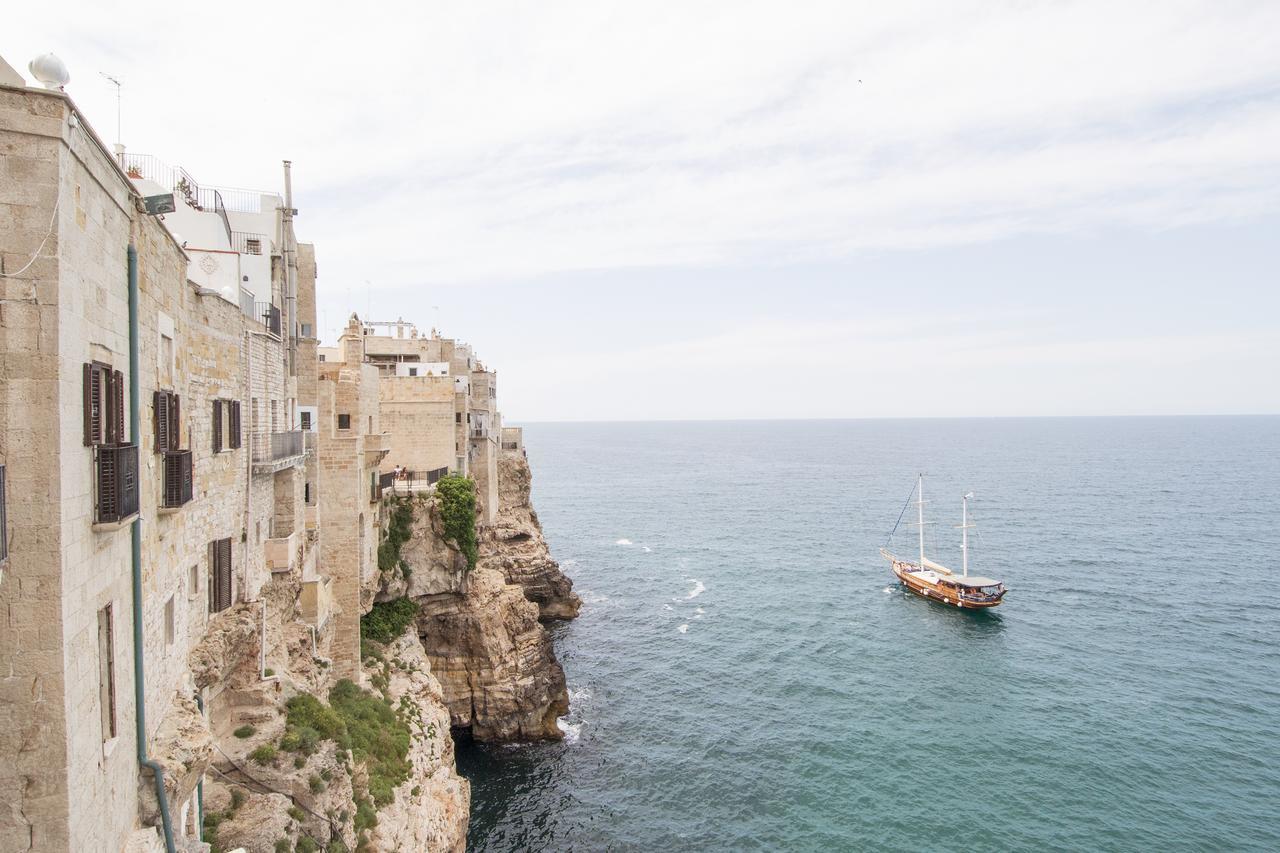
{"x": 494, "y": 660}
{"x": 431, "y": 809}
{"x": 514, "y": 544}
{"x": 260, "y": 793}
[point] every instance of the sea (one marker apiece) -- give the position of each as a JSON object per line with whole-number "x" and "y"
{"x": 746, "y": 674}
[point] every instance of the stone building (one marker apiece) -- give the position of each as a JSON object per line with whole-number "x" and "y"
{"x": 154, "y": 469}
{"x": 426, "y": 420}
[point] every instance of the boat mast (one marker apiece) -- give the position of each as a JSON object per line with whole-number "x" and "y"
{"x": 964, "y": 533}
{"x": 920, "y": 517}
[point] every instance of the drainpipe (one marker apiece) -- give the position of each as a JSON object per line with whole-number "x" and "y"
{"x": 135, "y": 535}
{"x": 200, "y": 784}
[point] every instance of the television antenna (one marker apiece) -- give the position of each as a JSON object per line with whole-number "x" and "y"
{"x": 115, "y": 81}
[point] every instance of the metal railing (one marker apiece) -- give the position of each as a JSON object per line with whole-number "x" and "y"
{"x": 250, "y": 243}
{"x": 116, "y": 477}
{"x": 183, "y": 184}
{"x": 268, "y": 315}
{"x": 274, "y": 446}
{"x": 177, "y": 478}
{"x": 152, "y": 168}
{"x": 414, "y": 481}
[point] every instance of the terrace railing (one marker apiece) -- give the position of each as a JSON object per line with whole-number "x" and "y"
{"x": 274, "y": 446}
{"x": 268, "y": 315}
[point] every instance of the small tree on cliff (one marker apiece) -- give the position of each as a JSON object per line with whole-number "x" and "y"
{"x": 457, "y": 497}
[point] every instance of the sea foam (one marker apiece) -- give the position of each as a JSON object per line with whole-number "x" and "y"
{"x": 624, "y": 542}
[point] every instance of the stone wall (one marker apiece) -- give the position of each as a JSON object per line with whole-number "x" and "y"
{"x": 418, "y": 414}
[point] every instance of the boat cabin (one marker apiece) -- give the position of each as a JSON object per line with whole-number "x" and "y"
{"x": 973, "y": 586}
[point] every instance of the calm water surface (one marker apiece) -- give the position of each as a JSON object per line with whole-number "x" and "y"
{"x": 744, "y": 674}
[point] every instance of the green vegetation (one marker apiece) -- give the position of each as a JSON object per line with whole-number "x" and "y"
{"x": 306, "y": 845}
{"x": 296, "y": 813}
{"x": 398, "y": 532}
{"x": 457, "y": 497}
{"x": 358, "y": 721}
{"x": 244, "y": 732}
{"x": 387, "y": 620}
{"x": 284, "y": 845}
{"x": 268, "y": 672}
{"x": 265, "y": 754}
{"x": 316, "y": 784}
{"x": 212, "y": 819}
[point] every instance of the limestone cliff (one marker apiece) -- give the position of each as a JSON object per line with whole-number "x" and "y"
{"x": 496, "y": 668}
{"x": 264, "y": 788}
{"x": 431, "y": 808}
{"x": 514, "y": 544}
{"x": 494, "y": 660}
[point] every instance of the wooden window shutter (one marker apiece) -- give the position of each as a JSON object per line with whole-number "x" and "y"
{"x": 217, "y": 426}
{"x": 222, "y": 574}
{"x": 108, "y": 491}
{"x": 96, "y": 377}
{"x": 160, "y": 405}
{"x": 116, "y": 422}
{"x": 175, "y": 422}
{"x": 235, "y": 423}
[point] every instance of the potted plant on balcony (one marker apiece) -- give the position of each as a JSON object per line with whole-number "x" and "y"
{"x": 134, "y": 172}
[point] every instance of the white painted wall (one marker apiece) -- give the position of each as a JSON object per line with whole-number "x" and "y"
{"x": 423, "y": 368}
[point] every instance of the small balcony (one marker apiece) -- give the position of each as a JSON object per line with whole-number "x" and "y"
{"x": 268, "y": 315}
{"x": 285, "y": 554}
{"x": 116, "y": 484}
{"x": 315, "y": 600}
{"x": 177, "y": 480}
{"x": 275, "y": 451}
{"x": 376, "y": 446}
{"x": 415, "y": 482}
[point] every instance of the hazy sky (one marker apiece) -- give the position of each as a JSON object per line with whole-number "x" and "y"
{"x": 735, "y": 209}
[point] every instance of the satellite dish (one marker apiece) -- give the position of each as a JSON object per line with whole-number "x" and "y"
{"x": 50, "y": 71}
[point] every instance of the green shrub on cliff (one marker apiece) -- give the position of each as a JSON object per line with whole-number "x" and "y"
{"x": 398, "y": 533}
{"x": 458, "y": 510}
{"x": 379, "y": 738}
{"x": 361, "y": 722}
{"x": 388, "y": 620}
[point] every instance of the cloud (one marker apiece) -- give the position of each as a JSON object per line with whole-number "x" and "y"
{"x": 457, "y": 144}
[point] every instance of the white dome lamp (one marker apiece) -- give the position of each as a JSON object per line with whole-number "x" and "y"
{"x": 50, "y": 71}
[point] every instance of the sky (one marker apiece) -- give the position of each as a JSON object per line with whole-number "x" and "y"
{"x": 750, "y": 210}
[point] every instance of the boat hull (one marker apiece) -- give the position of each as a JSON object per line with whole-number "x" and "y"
{"x": 939, "y": 592}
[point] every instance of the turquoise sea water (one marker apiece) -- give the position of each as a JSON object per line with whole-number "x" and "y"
{"x": 745, "y": 675}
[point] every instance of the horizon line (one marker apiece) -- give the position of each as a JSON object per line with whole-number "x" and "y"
{"x": 892, "y": 418}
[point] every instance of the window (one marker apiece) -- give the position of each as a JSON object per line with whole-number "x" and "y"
{"x": 306, "y": 493}
{"x": 106, "y": 673}
{"x": 304, "y": 418}
{"x": 166, "y": 408}
{"x": 193, "y": 581}
{"x": 344, "y": 421}
{"x": 234, "y": 436}
{"x": 413, "y": 371}
{"x": 370, "y": 429}
{"x": 322, "y": 356}
{"x": 168, "y": 622}
{"x": 230, "y": 438}
{"x": 253, "y": 246}
{"x": 4, "y": 521}
{"x": 457, "y": 417}
{"x": 103, "y": 405}
{"x": 219, "y": 575}
{"x": 306, "y": 330}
